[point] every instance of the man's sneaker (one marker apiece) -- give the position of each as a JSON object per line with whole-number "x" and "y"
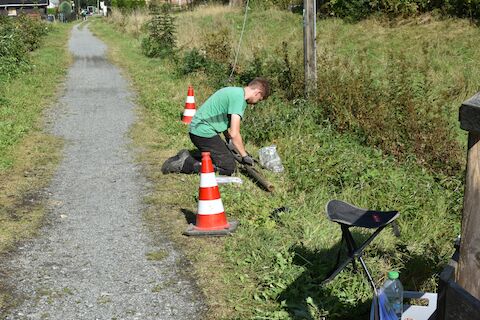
{"x": 174, "y": 164}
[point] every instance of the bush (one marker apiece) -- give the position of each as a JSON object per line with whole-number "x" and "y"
{"x": 161, "y": 40}
{"x": 128, "y": 4}
{"x": 359, "y": 9}
{"x": 281, "y": 4}
{"x": 285, "y": 74}
{"x": 31, "y": 31}
{"x": 192, "y": 61}
{"x": 18, "y": 37}
{"x": 393, "y": 114}
{"x": 217, "y": 46}
{"x": 65, "y": 8}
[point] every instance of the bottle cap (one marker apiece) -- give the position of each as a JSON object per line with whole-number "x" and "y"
{"x": 392, "y": 275}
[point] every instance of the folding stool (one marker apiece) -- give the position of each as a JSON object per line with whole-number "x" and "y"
{"x": 349, "y": 216}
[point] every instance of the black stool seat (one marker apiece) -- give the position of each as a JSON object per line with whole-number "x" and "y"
{"x": 349, "y": 215}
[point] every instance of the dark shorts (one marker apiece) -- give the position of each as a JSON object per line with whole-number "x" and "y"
{"x": 222, "y": 158}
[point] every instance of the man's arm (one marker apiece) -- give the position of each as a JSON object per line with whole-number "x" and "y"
{"x": 234, "y": 132}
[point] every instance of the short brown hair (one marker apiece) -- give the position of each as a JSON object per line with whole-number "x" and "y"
{"x": 262, "y": 84}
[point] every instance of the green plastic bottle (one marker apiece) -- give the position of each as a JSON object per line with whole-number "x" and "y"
{"x": 394, "y": 291}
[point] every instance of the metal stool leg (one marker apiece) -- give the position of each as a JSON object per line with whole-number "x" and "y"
{"x": 369, "y": 276}
{"x": 353, "y": 253}
{"x": 351, "y": 246}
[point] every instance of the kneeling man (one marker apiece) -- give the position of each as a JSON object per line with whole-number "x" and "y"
{"x": 221, "y": 113}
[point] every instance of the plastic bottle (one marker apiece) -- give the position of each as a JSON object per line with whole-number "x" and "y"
{"x": 394, "y": 291}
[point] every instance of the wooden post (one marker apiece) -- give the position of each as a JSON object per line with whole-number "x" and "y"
{"x": 309, "y": 46}
{"x": 468, "y": 271}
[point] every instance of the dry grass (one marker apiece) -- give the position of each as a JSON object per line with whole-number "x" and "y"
{"x": 190, "y": 36}
{"x": 22, "y": 203}
{"x": 21, "y": 208}
{"x": 131, "y": 23}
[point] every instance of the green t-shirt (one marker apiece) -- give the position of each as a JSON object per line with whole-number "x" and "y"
{"x": 212, "y": 117}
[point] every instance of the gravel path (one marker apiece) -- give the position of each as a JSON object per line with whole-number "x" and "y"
{"x": 96, "y": 259}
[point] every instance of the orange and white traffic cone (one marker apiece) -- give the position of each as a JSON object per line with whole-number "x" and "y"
{"x": 190, "y": 110}
{"x": 211, "y": 219}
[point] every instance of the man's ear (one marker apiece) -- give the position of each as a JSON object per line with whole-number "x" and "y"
{"x": 257, "y": 91}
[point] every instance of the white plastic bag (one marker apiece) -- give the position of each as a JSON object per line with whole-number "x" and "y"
{"x": 270, "y": 159}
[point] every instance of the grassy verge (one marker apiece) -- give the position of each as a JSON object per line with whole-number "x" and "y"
{"x": 395, "y": 84}
{"x": 271, "y": 267}
{"x": 28, "y": 156}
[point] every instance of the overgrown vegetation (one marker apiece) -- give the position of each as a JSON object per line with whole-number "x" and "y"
{"x": 402, "y": 99}
{"x": 18, "y": 37}
{"x": 355, "y": 10}
{"x": 128, "y": 4}
{"x": 65, "y": 8}
{"x": 360, "y": 9}
{"x": 22, "y": 98}
{"x": 160, "y": 41}
{"x": 382, "y": 133}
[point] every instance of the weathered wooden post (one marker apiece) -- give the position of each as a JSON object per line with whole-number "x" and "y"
{"x": 309, "y": 46}
{"x": 468, "y": 269}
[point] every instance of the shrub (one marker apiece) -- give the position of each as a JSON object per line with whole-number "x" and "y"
{"x": 284, "y": 73}
{"x": 359, "y": 9}
{"x": 128, "y": 4}
{"x": 217, "y": 46}
{"x": 281, "y": 4}
{"x": 393, "y": 114}
{"x": 65, "y": 8}
{"x": 17, "y": 38}
{"x": 287, "y": 73}
{"x": 31, "y": 31}
{"x": 254, "y": 68}
{"x": 192, "y": 61}
{"x": 160, "y": 41}
{"x": 398, "y": 112}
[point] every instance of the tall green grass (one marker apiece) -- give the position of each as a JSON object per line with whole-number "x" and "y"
{"x": 24, "y": 97}
{"x": 274, "y": 263}
{"x": 394, "y": 85}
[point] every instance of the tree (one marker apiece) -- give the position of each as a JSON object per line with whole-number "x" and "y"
{"x": 65, "y": 9}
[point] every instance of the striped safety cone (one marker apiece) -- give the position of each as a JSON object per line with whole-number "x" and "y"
{"x": 190, "y": 110}
{"x": 211, "y": 219}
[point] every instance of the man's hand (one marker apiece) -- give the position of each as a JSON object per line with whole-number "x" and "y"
{"x": 247, "y": 160}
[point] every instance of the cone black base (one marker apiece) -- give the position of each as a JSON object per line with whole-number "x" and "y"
{"x": 195, "y": 232}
